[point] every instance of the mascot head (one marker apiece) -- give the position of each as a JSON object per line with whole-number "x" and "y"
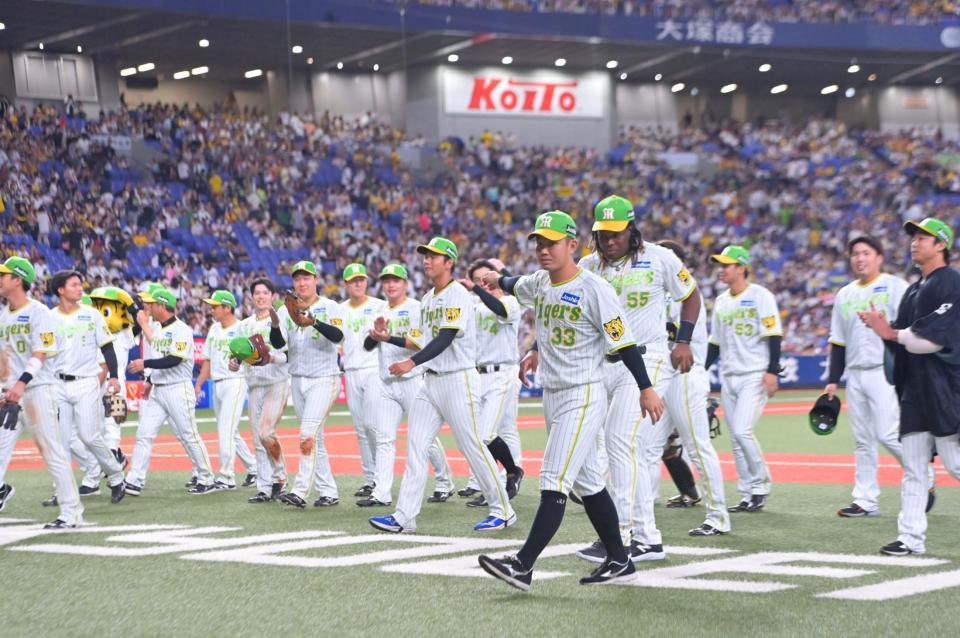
{"x": 113, "y": 304}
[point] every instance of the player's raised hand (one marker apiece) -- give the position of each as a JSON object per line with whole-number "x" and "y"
{"x": 491, "y": 279}
{"x": 529, "y": 365}
{"x": 380, "y": 330}
{"x": 467, "y": 283}
{"x": 876, "y": 320}
{"x": 142, "y": 318}
{"x": 650, "y": 404}
{"x": 274, "y": 318}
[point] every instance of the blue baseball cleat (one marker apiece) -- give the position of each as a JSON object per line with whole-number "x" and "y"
{"x": 388, "y": 524}
{"x": 492, "y": 524}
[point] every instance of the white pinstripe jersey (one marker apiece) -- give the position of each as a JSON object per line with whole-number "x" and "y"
{"x": 864, "y": 349}
{"x": 80, "y": 335}
{"x": 578, "y": 322}
{"x": 642, "y": 282}
{"x": 259, "y": 376}
{"x": 450, "y": 307}
{"x": 496, "y": 335}
{"x": 698, "y": 343}
{"x": 309, "y": 353}
{"x": 216, "y": 349}
{"x": 24, "y": 331}
{"x": 356, "y": 326}
{"x": 403, "y": 320}
{"x": 740, "y": 325}
{"x": 175, "y": 339}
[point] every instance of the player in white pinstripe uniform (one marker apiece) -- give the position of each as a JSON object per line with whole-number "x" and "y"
{"x": 229, "y": 391}
{"x": 498, "y": 321}
{"x": 268, "y": 390}
{"x": 643, "y": 275}
{"x": 315, "y": 383}
{"x": 360, "y": 366}
{"x": 394, "y": 335}
{"x": 746, "y": 334}
{"x": 450, "y": 392}
{"x": 579, "y": 320}
{"x": 171, "y": 395}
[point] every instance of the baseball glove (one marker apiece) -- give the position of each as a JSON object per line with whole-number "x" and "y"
{"x": 9, "y": 413}
{"x": 115, "y": 405}
{"x": 297, "y": 309}
{"x": 712, "y": 418}
{"x": 261, "y": 348}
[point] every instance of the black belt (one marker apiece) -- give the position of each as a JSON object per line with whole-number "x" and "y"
{"x": 486, "y": 369}
{"x": 614, "y": 358}
{"x": 68, "y": 377}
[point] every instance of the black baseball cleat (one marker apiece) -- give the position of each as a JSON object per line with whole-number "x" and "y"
{"x": 742, "y": 506}
{"x": 326, "y": 501}
{"x": 365, "y": 491}
{"x": 855, "y": 511}
{"x": 372, "y": 502}
{"x": 896, "y": 548}
{"x": 191, "y": 482}
{"x": 706, "y": 529}
{"x": 289, "y": 498}
{"x": 117, "y": 492}
{"x": 513, "y": 483}
{"x": 201, "y": 488}
{"x": 260, "y": 497}
{"x": 480, "y": 501}
{"x": 131, "y": 489}
{"x": 643, "y": 552}
{"x": 467, "y": 492}
{"x": 610, "y": 573}
{"x": 682, "y": 500}
{"x": 757, "y": 502}
{"x": 220, "y": 486}
{"x": 439, "y": 497}
{"x": 595, "y": 553}
{"x": 508, "y": 569}
{"x": 59, "y": 524}
{"x": 89, "y": 491}
{"x": 931, "y": 499}
{"x": 250, "y": 481}
{"x": 276, "y": 490}
{"x": 51, "y": 502}
{"x": 6, "y": 494}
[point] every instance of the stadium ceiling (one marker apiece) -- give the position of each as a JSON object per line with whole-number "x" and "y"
{"x": 128, "y": 38}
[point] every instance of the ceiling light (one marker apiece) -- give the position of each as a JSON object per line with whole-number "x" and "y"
{"x": 939, "y": 80}
{"x": 850, "y": 92}
{"x": 729, "y": 88}
{"x": 376, "y": 67}
{"x": 872, "y": 77}
{"x": 780, "y": 88}
{"x": 827, "y": 90}
{"x": 612, "y": 64}
{"x": 146, "y": 66}
{"x": 763, "y": 68}
{"x": 297, "y": 49}
{"x": 623, "y": 76}
{"x": 203, "y": 43}
{"x": 309, "y": 60}
{"x": 253, "y": 73}
{"x": 853, "y": 68}
{"x": 453, "y": 57}
{"x": 676, "y": 88}
{"x": 694, "y": 91}
{"x": 180, "y": 75}
{"x": 2, "y": 26}
{"x": 560, "y": 62}
{"x": 41, "y": 46}
{"x": 506, "y": 59}
{"x": 594, "y": 40}
{"x": 658, "y": 77}
{"x": 200, "y": 70}
{"x": 79, "y": 49}
{"x": 127, "y": 71}
{"x": 339, "y": 65}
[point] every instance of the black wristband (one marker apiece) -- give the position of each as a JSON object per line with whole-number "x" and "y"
{"x": 400, "y": 342}
{"x": 685, "y": 331}
{"x": 26, "y": 377}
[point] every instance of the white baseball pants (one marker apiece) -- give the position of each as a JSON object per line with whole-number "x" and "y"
{"x": 80, "y": 413}
{"x": 917, "y": 448}
{"x": 499, "y": 401}
{"x": 743, "y": 397}
{"x": 265, "y": 406}
{"x": 312, "y": 400}
{"x": 228, "y": 398}
{"x": 573, "y": 416}
{"x": 363, "y": 389}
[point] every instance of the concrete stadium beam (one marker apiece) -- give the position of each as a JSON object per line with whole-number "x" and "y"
{"x": 923, "y": 68}
{"x": 660, "y": 59}
{"x": 148, "y": 35}
{"x": 81, "y": 31}
{"x": 377, "y": 50}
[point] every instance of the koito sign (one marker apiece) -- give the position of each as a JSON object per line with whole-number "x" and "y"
{"x": 536, "y": 95}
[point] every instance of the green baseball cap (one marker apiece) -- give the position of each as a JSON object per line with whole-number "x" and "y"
{"x": 931, "y": 226}
{"x": 161, "y": 296}
{"x": 112, "y": 293}
{"x": 554, "y": 225}
{"x": 240, "y": 348}
{"x": 613, "y": 213}
{"x": 352, "y": 271}
{"x": 394, "y": 270}
{"x": 304, "y": 266}
{"x": 222, "y": 298}
{"x": 19, "y": 267}
{"x": 733, "y": 254}
{"x": 440, "y": 246}
{"x": 86, "y": 300}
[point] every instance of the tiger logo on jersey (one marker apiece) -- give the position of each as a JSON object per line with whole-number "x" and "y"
{"x": 415, "y": 333}
{"x": 615, "y": 328}
{"x": 769, "y": 322}
{"x": 46, "y": 339}
{"x": 336, "y": 322}
{"x": 453, "y": 314}
{"x": 181, "y": 346}
{"x": 684, "y": 276}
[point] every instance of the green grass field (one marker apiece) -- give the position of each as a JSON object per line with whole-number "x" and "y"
{"x": 228, "y": 579}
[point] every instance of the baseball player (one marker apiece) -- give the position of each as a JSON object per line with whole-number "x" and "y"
{"x": 450, "y": 392}
{"x": 82, "y": 335}
{"x": 643, "y": 275}
{"x": 360, "y": 365}
{"x": 29, "y": 343}
{"x": 926, "y": 372}
{"x": 498, "y": 321}
{"x": 746, "y": 334}
{"x": 394, "y": 335}
{"x": 579, "y": 320}
{"x": 686, "y": 412}
{"x": 229, "y": 391}
{"x": 169, "y": 394}
{"x": 314, "y": 326}
{"x": 268, "y": 391}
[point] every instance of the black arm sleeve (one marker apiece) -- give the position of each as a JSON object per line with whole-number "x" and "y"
{"x": 495, "y": 305}
{"x": 332, "y": 333}
{"x": 369, "y": 343}
{"x": 773, "y": 344}
{"x": 276, "y": 338}
{"x": 110, "y": 358}
{"x": 634, "y": 361}
{"x": 169, "y": 361}
{"x": 838, "y": 360}
{"x": 137, "y": 330}
{"x": 508, "y": 283}
{"x": 436, "y": 346}
{"x": 400, "y": 342}
{"x": 713, "y": 353}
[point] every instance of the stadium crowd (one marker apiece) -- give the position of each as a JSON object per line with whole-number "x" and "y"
{"x": 223, "y": 195}
{"x": 816, "y": 11}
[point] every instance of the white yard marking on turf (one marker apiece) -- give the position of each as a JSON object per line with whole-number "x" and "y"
{"x": 18, "y": 533}
{"x": 901, "y": 588}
